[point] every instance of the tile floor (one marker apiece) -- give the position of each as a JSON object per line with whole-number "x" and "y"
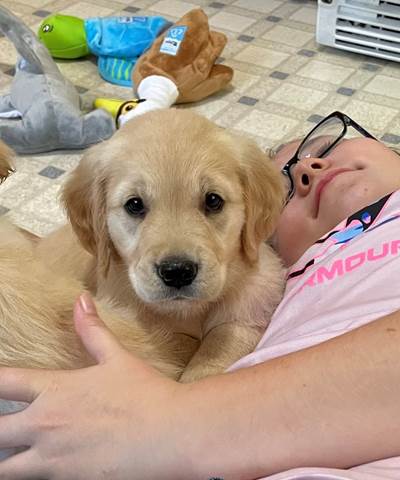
{"x": 284, "y": 83}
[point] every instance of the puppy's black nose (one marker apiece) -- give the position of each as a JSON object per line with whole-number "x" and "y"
{"x": 177, "y": 272}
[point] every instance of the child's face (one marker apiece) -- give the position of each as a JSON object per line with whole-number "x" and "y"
{"x": 354, "y": 174}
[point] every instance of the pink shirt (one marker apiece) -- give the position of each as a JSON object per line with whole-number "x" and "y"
{"x": 348, "y": 278}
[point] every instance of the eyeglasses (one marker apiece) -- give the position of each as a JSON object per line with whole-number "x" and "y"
{"x": 320, "y": 141}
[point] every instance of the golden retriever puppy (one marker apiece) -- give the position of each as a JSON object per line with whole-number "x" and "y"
{"x": 174, "y": 213}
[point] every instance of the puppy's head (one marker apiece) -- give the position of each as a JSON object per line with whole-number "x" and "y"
{"x": 178, "y": 201}
{"x": 6, "y": 166}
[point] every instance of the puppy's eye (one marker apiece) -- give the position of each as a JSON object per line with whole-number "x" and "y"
{"x": 135, "y": 207}
{"x": 214, "y": 203}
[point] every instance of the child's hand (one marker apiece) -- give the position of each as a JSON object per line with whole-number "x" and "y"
{"x": 114, "y": 420}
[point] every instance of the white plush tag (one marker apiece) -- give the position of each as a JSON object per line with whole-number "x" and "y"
{"x": 173, "y": 39}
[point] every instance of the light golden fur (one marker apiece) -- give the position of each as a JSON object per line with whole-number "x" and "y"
{"x": 171, "y": 159}
{"x": 6, "y": 165}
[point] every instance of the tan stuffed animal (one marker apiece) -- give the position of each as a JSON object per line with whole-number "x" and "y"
{"x": 193, "y": 68}
{"x": 180, "y": 66}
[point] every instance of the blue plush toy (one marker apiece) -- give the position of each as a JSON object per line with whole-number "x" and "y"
{"x": 117, "y": 41}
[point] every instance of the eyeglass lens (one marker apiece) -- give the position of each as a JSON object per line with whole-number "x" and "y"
{"x": 322, "y": 139}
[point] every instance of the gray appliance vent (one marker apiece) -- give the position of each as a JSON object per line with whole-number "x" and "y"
{"x": 371, "y": 27}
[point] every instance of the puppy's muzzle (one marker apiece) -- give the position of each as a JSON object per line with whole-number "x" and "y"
{"x": 177, "y": 272}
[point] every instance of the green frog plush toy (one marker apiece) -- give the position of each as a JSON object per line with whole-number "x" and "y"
{"x": 117, "y": 41}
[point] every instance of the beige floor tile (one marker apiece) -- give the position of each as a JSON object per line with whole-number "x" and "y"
{"x": 243, "y": 81}
{"x": 113, "y": 91}
{"x": 173, "y": 8}
{"x": 8, "y": 54}
{"x": 231, "y": 21}
{"x": 339, "y": 57}
{"x": 325, "y": 72}
{"x": 294, "y": 63}
{"x": 86, "y": 10}
{"x": 36, "y": 4}
{"x": 286, "y": 9}
{"x": 394, "y": 127}
{"x": 113, "y": 5}
{"x": 376, "y": 99}
{"x": 67, "y": 161}
{"x": 383, "y": 85}
{"x": 142, "y": 3}
{"x": 127, "y": 3}
{"x": 263, "y": 6}
{"x": 266, "y": 125}
{"x": 261, "y": 56}
{"x": 233, "y": 47}
{"x": 391, "y": 69}
{"x": 312, "y": 83}
{"x": 332, "y": 103}
{"x": 263, "y": 88}
{"x": 250, "y": 68}
{"x": 49, "y": 198}
{"x": 276, "y": 46}
{"x": 230, "y": 117}
{"x": 209, "y": 107}
{"x": 34, "y": 224}
{"x": 305, "y": 15}
{"x": 32, "y": 165}
{"x": 21, "y": 188}
{"x": 359, "y": 79}
{"x": 17, "y": 9}
{"x": 372, "y": 117}
{"x": 258, "y": 28}
{"x": 297, "y": 97}
{"x": 75, "y": 70}
{"x": 302, "y": 129}
{"x": 282, "y": 110}
{"x": 288, "y": 36}
{"x": 91, "y": 81}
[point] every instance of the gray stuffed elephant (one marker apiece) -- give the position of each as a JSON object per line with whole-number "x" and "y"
{"x": 42, "y": 111}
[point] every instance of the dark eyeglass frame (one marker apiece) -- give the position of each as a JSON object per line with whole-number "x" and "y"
{"x": 346, "y": 121}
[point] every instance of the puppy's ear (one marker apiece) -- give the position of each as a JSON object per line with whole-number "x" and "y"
{"x": 264, "y": 194}
{"x": 84, "y": 196}
{"x": 6, "y": 156}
